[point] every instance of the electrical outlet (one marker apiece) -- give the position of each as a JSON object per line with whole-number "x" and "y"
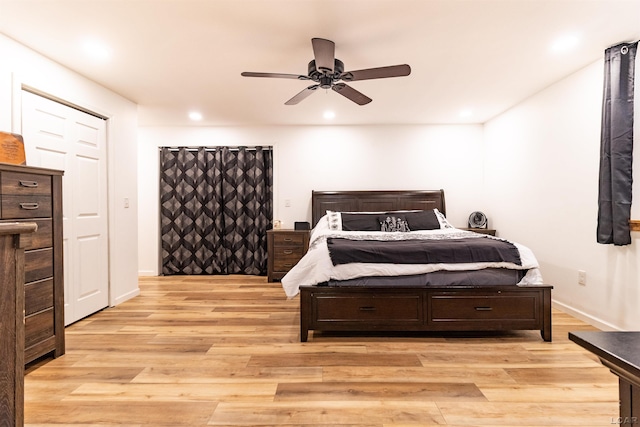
{"x": 582, "y": 277}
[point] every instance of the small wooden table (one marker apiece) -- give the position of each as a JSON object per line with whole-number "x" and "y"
{"x": 620, "y": 352}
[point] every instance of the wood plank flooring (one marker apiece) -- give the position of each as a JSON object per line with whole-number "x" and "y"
{"x": 225, "y": 351}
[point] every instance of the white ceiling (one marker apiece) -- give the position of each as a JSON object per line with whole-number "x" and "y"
{"x": 173, "y": 56}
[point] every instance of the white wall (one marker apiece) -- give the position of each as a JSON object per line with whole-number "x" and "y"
{"x": 20, "y": 67}
{"x": 310, "y": 158}
{"x": 541, "y": 170}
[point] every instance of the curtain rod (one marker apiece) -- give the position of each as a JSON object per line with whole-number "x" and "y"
{"x": 234, "y": 148}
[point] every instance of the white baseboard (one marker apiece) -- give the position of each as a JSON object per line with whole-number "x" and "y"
{"x": 126, "y": 297}
{"x": 578, "y": 314}
{"x": 147, "y": 273}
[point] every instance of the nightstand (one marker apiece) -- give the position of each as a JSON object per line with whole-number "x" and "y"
{"x": 488, "y": 231}
{"x": 284, "y": 250}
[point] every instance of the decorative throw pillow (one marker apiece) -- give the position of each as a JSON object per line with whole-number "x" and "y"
{"x": 392, "y": 223}
{"x": 360, "y": 221}
{"x": 443, "y": 221}
{"x": 422, "y": 220}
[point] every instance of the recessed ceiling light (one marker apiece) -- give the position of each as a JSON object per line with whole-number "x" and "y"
{"x": 195, "y": 116}
{"x": 565, "y": 43}
{"x": 96, "y": 50}
{"x": 466, "y": 113}
{"x": 329, "y": 115}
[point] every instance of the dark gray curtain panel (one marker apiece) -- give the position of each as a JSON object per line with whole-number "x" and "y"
{"x": 215, "y": 208}
{"x": 616, "y": 146}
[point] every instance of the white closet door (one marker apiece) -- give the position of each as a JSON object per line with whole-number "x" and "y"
{"x": 60, "y": 137}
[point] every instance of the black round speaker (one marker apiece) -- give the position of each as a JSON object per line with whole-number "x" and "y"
{"x": 477, "y": 220}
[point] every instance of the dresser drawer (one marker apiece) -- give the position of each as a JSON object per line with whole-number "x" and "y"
{"x": 38, "y": 327}
{"x": 42, "y": 237}
{"x": 38, "y": 296}
{"x": 20, "y": 207}
{"x": 497, "y": 306}
{"x": 38, "y": 265}
{"x": 19, "y": 183}
{"x": 363, "y": 308}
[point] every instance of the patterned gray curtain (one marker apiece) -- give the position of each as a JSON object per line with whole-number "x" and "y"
{"x": 215, "y": 208}
{"x": 616, "y": 146}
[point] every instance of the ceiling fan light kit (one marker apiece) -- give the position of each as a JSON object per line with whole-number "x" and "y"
{"x": 327, "y": 71}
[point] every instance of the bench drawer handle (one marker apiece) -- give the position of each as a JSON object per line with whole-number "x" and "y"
{"x": 29, "y": 206}
{"x": 30, "y": 184}
{"x": 484, "y": 308}
{"x": 367, "y": 308}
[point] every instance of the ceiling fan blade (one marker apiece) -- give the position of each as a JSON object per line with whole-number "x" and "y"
{"x": 350, "y": 93}
{"x": 274, "y": 75}
{"x": 324, "y": 52}
{"x": 302, "y": 95}
{"x": 377, "y": 73}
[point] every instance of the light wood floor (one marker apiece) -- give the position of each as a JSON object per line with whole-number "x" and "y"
{"x": 224, "y": 350}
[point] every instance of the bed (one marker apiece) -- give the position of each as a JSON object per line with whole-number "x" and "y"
{"x": 339, "y": 291}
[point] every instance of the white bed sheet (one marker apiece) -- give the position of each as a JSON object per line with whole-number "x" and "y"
{"x": 316, "y": 266}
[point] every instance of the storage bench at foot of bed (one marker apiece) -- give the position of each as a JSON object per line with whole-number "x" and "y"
{"x": 487, "y": 308}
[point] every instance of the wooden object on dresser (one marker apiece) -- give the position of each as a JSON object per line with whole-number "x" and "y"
{"x": 30, "y": 194}
{"x": 285, "y": 248}
{"x": 13, "y": 238}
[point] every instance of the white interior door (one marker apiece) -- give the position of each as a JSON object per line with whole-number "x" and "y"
{"x": 57, "y": 136}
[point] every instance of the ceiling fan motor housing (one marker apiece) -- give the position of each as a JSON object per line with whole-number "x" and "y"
{"x": 325, "y": 79}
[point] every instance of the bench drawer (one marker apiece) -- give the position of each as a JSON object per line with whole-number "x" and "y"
{"x": 445, "y": 307}
{"x": 363, "y": 308}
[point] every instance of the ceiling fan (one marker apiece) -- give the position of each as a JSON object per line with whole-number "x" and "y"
{"x": 327, "y": 71}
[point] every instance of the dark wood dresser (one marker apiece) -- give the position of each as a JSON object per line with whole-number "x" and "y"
{"x": 285, "y": 248}
{"x": 13, "y": 238}
{"x": 34, "y": 195}
{"x": 620, "y": 352}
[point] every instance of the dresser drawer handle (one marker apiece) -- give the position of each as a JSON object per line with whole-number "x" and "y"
{"x": 30, "y": 184}
{"x": 367, "y": 308}
{"x": 287, "y": 252}
{"x": 288, "y": 239}
{"x": 29, "y": 206}
{"x": 288, "y": 265}
{"x": 484, "y": 308}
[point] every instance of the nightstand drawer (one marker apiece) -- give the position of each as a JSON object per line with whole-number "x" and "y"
{"x": 286, "y": 262}
{"x": 286, "y": 238}
{"x": 288, "y": 252}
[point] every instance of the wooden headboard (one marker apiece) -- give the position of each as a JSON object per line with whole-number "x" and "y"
{"x": 374, "y": 201}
